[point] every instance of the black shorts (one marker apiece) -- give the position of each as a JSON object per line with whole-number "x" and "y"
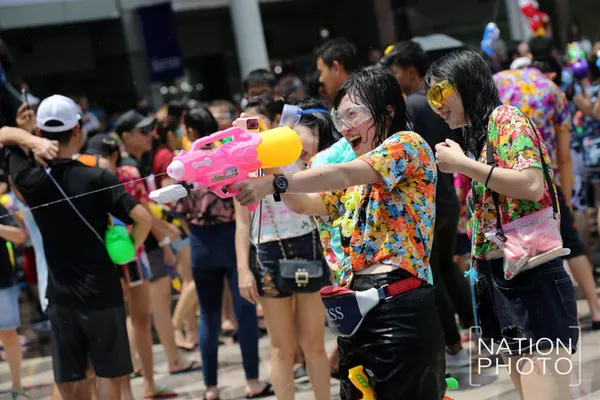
{"x": 400, "y": 344}
{"x": 78, "y": 336}
{"x": 536, "y": 304}
{"x": 305, "y": 247}
{"x": 568, "y": 230}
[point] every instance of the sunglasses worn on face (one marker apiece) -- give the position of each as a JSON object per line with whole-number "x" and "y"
{"x": 438, "y": 94}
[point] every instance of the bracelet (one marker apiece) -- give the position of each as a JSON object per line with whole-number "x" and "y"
{"x": 489, "y": 176}
{"x": 165, "y": 241}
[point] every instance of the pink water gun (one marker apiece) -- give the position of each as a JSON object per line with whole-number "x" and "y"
{"x": 234, "y": 161}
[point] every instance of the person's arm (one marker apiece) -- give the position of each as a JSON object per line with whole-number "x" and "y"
{"x": 141, "y": 224}
{"x": 242, "y": 236}
{"x": 43, "y": 149}
{"x": 596, "y": 110}
{"x": 527, "y": 184}
{"x": 515, "y": 144}
{"x": 12, "y": 234}
{"x": 302, "y": 203}
{"x": 398, "y": 158}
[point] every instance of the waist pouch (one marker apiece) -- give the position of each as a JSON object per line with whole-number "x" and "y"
{"x": 346, "y": 309}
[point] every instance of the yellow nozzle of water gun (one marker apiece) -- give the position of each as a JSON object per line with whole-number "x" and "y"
{"x": 359, "y": 379}
{"x": 156, "y": 210}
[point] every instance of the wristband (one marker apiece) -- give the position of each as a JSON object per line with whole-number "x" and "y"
{"x": 166, "y": 241}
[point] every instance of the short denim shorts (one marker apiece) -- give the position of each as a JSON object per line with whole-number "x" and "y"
{"x": 535, "y": 307}
{"x": 10, "y": 318}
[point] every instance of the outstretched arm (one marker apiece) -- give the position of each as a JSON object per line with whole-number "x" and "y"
{"x": 326, "y": 178}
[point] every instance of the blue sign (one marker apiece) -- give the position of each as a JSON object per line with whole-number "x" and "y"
{"x": 162, "y": 44}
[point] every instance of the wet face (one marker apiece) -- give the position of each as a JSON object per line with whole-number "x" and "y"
{"x": 310, "y": 141}
{"x": 444, "y": 100}
{"x": 355, "y": 123}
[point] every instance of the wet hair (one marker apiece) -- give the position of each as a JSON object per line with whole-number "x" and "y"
{"x": 470, "y": 75}
{"x": 377, "y": 89}
{"x": 408, "y": 53}
{"x": 259, "y": 77}
{"x": 339, "y": 50}
{"x": 267, "y": 106}
{"x": 327, "y": 134}
{"x": 201, "y": 121}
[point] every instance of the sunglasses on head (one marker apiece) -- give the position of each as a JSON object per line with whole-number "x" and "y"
{"x": 439, "y": 93}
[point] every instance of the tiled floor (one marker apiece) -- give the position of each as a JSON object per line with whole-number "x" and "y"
{"x": 38, "y": 375}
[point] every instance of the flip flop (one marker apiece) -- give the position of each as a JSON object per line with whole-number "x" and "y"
{"x": 136, "y": 374}
{"x": 161, "y": 393}
{"x": 267, "y": 391}
{"x": 192, "y": 367}
{"x": 188, "y": 349}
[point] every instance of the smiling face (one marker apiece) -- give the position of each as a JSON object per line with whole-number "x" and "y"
{"x": 355, "y": 122}
{"x": 444, "y": 100}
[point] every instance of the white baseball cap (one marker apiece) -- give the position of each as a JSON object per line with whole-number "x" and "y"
{"x": 57, "y": 114}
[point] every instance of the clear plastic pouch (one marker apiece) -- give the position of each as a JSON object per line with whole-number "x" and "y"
{"x": 529, "y": 241}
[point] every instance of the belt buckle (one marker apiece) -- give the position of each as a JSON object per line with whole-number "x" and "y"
{"x": 301, "y": 278}
{"x": 383, "y": 294}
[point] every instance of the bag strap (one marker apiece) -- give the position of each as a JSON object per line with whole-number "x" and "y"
{"x": 276, "y": 230}
{"x": 490, "y": 160}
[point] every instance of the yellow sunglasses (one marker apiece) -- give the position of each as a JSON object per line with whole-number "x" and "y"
{"x": 439, "y": 93}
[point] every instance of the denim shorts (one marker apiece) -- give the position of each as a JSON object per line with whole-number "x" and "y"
{"x": 10, "y": 318}
{"x": 535, "y": 307}
{"x": 305, "y": 247}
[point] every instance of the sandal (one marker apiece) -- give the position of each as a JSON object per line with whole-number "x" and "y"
{"x": 266, "y": 392}
{"x": 192, "y": 367}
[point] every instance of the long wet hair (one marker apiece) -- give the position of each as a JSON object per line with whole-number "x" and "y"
{"x": 327, "y": 134}
{"x": 380, "y": 92}
{"x": 472, "y": 78}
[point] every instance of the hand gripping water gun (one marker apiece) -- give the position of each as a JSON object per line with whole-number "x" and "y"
{"x": 534, "y": 16}
{"x": 119, "y": 245}
{"x": 491, "y": 34}
{"x": 231, "y": 162}
{"x": 577, "y": 61}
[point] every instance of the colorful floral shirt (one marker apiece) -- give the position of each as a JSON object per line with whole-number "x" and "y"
{"x": 132, "y": 181}
{"x": 390, "y": 222}
{"x": 539, "y": 98}
{"x": 515, "y": 146}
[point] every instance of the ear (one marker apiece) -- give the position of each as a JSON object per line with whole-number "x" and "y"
{"x": 336, "y": 67}
{"x": 277, "y": 120}
{"x": 552, "y": 76}
{"x": 37, "y": 132}
{"x": 391, "y": 110}
{"x": 191, "y": 134}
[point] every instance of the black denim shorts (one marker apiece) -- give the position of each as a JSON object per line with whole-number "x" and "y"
{"x": 535, "y": 307}
{"x": 305, "y": 247}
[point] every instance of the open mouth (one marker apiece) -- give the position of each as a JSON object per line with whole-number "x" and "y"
{"x": 355, "y": 143}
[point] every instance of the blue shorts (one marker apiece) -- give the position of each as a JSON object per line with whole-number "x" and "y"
{"x": 180, "y": 243}
{"x": 536, "y": 304}
{"x": 10, "y": 318}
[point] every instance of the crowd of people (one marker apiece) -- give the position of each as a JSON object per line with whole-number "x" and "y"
{"x": 406, "y": 167}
